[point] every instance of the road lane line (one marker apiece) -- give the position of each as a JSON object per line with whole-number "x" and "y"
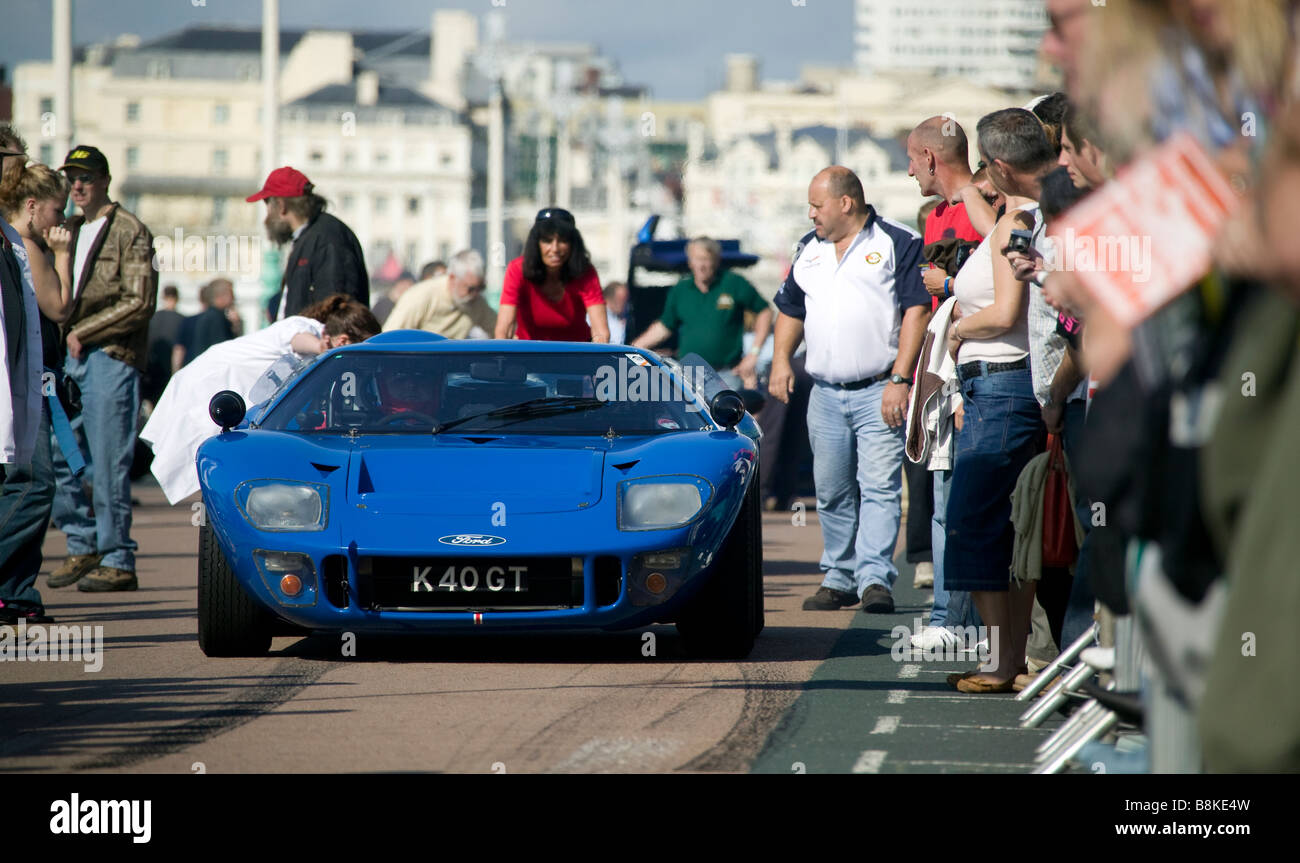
{"x": 915, "y": 695}
{"x": 869, "y": 761}
{"x": 896, "y": 696}
{"x": 907, "y": 672}
{"x": 886, "y": 724}
{"x": 998, "y": 764}
{"x": 957, "y": 727}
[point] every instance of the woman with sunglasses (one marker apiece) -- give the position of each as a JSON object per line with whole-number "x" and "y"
{"x": 552, "y": 290}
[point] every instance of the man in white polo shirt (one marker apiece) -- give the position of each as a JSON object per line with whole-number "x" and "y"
{"x": 855, "y": 291}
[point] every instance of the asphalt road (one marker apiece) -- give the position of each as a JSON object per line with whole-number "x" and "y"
{"x": 820, "y": 693}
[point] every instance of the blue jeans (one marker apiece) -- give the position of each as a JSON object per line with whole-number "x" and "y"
{"x": 951, "y": 607}
{"x": 1079, "y": 609}
{"x": 26, "y": 495}
{"x": 1003, "y": 429}
{"x": 110, "y": 399}
{"x": 858, "y": 470}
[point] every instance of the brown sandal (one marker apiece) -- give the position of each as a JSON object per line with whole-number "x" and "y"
{"x": 956, "y": 677}
{"x": 973, "y": 685}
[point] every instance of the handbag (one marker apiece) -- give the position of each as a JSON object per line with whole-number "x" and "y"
{"x": 1059, "y": 546}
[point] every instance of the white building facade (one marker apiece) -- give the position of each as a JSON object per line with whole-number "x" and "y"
{"x": 180, "y": 118}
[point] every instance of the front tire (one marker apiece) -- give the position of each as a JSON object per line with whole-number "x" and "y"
{"x": 723, "y": 620}
{"x": 230, "y": 623}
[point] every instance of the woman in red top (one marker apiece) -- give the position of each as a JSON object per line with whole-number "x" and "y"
{"x": 551, "y": 291}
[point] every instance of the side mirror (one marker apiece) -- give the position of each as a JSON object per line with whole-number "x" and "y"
{"x": 227, "y": 409}
{"x": 728, "y": 409}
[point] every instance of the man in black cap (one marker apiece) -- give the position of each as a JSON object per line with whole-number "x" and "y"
{"x": 115, "y": 291}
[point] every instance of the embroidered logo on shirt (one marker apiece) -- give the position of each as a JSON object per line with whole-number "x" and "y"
{"x": 726, "y": 301}
{"x": 873, "y": 258}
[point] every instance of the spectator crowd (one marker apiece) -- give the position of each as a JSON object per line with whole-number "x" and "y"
{"x": 1094, "y": 454}
{"x": 1065, "y": 463}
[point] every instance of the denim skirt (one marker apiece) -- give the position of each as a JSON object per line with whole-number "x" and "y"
{"x": 1003, "y": 429}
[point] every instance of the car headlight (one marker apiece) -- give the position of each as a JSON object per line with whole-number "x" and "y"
{"x": 280, "y": 505}
{"x": 662, "y": 502}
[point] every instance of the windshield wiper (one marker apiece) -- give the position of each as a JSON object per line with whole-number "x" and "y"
{"x": 532, "y": 408}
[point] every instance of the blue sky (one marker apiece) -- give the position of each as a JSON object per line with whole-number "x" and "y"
{"x": 674, "y": 46}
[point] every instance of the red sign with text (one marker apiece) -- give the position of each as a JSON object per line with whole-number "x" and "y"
{"x": 1144, "y": 238}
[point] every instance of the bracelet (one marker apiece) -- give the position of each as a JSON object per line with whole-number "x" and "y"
{"x": 947, "y": 280}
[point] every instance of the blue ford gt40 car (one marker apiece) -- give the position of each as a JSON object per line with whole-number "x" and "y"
{"x": 412, "y": 484}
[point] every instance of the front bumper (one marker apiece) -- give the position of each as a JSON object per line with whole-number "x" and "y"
{"x": 608, "y": 589}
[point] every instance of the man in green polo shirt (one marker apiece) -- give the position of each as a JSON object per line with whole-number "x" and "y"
{"x": 707, "y": 311}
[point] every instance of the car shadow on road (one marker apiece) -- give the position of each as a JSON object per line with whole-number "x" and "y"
{"x": 653, "y": 644}
{"x": 776, "y": 566}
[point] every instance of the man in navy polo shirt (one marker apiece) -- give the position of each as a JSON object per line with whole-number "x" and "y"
{"x": 855, "y": 292}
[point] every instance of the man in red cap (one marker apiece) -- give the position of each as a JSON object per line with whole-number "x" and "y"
{"x": 325, "y": 257}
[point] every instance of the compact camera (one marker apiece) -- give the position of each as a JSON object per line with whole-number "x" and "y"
{"x": 1020, "y": 241}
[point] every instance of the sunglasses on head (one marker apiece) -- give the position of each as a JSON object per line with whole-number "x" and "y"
{"x": 556, "y": 214}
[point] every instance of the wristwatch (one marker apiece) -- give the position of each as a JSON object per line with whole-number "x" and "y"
{"x": 899, "y": 379}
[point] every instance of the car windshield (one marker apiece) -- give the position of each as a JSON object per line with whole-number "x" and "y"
{"x": 481, "y": 392}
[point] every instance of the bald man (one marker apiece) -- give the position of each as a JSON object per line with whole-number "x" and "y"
{"x": 855, "y": 292}
{"x": 938, "y": 157}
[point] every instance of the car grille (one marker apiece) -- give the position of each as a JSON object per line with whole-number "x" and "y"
{"x": 386, "y": 583}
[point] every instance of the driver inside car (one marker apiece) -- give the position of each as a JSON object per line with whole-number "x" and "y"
{"x": 409, "y": 392}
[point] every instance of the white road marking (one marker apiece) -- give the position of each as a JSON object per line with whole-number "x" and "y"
{"x": 619, "y": 754}
{"x": 1020, "y": 767}
{"x": 886, "y": 724}
{"x": 896, "y": 696}
{"x": 953, "y": 656}
{"x": 954, "y": 727}
{"x": 907, "y": 672}
{"x": 870, "y": 761}
{"x": 914, "y": 696}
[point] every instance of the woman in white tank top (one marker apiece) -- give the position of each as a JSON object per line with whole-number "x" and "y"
{"x": 1001, "y": 430}
{"x": 1001, "y": 335}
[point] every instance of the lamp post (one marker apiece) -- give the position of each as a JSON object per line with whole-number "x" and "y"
{"x": 62, "y": 55}
{"x": 488, "y": 61}
{"x": 270, "y": 132}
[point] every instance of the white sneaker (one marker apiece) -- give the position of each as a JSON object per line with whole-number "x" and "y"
{"x": 935, "y": 638}
{"x": 923, "y": 575}
{"x": 1100, "y": 658}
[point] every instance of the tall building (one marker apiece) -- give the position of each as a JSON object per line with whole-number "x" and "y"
{"x": 988, "y": 42}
